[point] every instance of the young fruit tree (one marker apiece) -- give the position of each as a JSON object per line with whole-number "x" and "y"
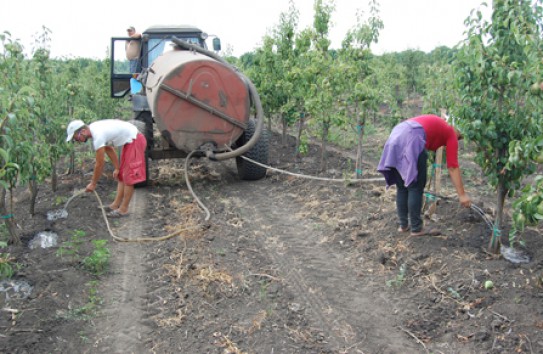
{"x": 284, "y": 38}
{"x": 15, "y": 105}
{"x": 324, "y": 94}
{"x": 262, "y": 73}
{"x": 495, "y": 67}
{"x": 356, "y": 57}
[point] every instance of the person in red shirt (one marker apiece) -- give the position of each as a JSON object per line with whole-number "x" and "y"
{"x": 404, "y": 163}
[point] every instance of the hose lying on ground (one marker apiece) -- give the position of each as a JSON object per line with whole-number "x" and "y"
{"x": 344, "y": 180}
{"x": 123, "y": 239}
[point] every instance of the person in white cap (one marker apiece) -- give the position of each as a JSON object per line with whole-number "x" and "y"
{"x": 107, "y": 134}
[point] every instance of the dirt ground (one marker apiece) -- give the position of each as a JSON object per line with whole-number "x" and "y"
{"x": 281, "y": 265}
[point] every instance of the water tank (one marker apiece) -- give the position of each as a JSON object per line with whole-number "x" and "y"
{"x": 195, "y": 99}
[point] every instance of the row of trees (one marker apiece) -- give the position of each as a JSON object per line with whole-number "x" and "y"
{"x": 38, "y": 97}
{"x": 305, "y": 84}
{"x": 489, "y": 83}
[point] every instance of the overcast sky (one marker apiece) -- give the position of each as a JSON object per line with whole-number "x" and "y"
{"x": 84, "y": 28}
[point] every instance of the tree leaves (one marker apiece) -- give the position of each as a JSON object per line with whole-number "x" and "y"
{"x": 494, "y": 69}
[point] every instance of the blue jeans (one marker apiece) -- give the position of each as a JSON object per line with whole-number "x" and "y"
{"x": 409, "y": 199}
{"x": 135, "y": 66}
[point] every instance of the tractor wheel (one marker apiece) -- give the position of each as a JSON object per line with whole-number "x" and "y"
{"x": 146, "y": 182}
{"x": 259, "y": 152}
{"x": 147, "y": 119}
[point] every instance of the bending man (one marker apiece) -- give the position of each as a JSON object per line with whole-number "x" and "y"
{"x": 107, "y": 134}
{"x": 404, "y": 163}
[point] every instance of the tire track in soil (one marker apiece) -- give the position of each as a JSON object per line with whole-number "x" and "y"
{"x": 120, "y": 327}
{"x": 352, "y": 317}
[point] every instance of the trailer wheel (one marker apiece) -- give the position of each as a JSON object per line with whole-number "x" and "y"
{"x": 259, "y": 152}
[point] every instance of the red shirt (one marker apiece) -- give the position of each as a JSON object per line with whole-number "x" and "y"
{"x": 439, "y": 133}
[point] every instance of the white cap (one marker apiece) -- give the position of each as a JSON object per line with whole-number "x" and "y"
{"x": 73, "y": 127}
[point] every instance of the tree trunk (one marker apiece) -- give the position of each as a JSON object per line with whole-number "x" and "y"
{"x": 33, "y": 186}
{"x": 71, "y": 169}
{"x": 495, "y": 240}
{"x": 54, "y": 179}
{"x": 301, "y": 123}
{"x": 8, "y": 220}
{"x": 324, "y": 161}
{"x": 284, "y": 130}
{"x": 360, "y": 124}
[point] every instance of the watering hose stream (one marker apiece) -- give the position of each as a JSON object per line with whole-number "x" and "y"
{"x": 473, "y": 207}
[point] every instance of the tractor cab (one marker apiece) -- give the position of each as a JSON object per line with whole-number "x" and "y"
{"x": 154, "y": 41}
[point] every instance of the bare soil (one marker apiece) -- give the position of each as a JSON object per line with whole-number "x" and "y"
{"x": 282, "y": 265}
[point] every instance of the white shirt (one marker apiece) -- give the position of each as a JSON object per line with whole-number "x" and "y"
{"x": 112, "y": 132}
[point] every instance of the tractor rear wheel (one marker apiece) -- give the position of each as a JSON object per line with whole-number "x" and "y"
{"x": 259, "y": 152}
{"x": 144, "y": 122}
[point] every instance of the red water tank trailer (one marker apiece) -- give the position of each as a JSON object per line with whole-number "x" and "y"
{"x": 196, "y": 100}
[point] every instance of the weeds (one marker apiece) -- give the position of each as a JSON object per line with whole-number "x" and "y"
{"x": 88, "y": 310}
{"x": 347, "y": 173}
{"x": 454, "y": 293}
{"x": 98, "y": 262}
{"x": 59, "y": 200}
{"x": 7, "y": 266}
{"x": 84, "y": 338}
{"x": 4, "y": 234}
{"x": 263, "y": 293}
{"x": 400, "y": 277}
{"x": 71, "y": 248}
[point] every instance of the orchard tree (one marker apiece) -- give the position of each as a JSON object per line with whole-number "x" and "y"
{"x": 284, "y": 37}
{"x": 438, "y": 79}
{"x": 49, "y": 116}
{"x": 324, "y": 93}
{"x": 495, "y": 67}
{"x": 440, "y": 92}
{"x": 262, "y": 74}
{"x": 15, "y": 104}
{"x": 359, "y": 91}
{"x": 88, "y": 86}
{"x": 301, "y": 76}
{"x": 389, "y": 78}
{"x": 414, "y": 62}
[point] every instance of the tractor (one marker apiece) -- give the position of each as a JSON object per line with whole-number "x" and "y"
{"x": 188, "y": 101}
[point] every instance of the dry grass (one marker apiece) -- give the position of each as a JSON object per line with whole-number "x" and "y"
{"x": 189, "y": 221}
{"x": 257, "y": 322}
{"x": 229, "y": 346}
{"x": 173, "y": 321}
{"x": 177, "y": 269}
